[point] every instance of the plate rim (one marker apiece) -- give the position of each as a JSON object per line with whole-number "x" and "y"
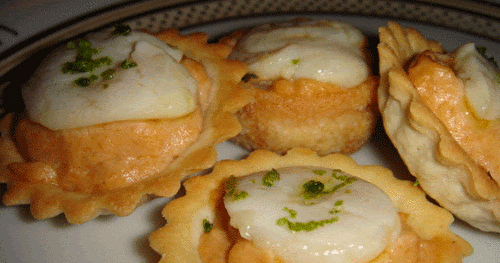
{"x": 122, "y": 11}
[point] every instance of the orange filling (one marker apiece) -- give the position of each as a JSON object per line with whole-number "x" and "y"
{"x": 102, "y": 157}
{"x": 443, "y": 92}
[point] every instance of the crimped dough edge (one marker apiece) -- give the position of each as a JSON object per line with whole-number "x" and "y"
{"x": 219, "y": 124}
{"x": 443, "y": 169}
{"x": 179, "y": 239}
{"x": 288, "y": 114}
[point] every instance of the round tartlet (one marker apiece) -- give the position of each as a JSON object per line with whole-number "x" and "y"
{"x": 424, "y": 236}
{"x": 115, "y": 166}
{"x": 430, "y": 119}
{"x": 304, "y": 96}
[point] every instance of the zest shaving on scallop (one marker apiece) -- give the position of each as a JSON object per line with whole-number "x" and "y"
{"x": 313, "y": 214}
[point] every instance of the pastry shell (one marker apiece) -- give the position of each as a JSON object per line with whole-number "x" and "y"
{"x": 304, "y": 112}
{"x": 225, "y": 97}
{"x": 444, "y": 169}
{"x": 426, "y": 236}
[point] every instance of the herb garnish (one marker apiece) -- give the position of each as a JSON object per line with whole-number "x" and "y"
{"x": 295, "y": 61}
{"x": 336, "y": 208}
{"x": 307, "y": 226}
{"x": 83, "y": 60}
{"x": 108, "y": 74}
{"x": 231, "y": 191}
{"x": 270, "y": 177}
{"x": 293, "y": 213}
{"x": 128, "y": 63}
{"x": 313, "y": 188}
{"x": 207, "y": 226}
{"x": 319, "y": 172}
{"x": 342, "y": 177}
{"x": 84, "y": 82}
{"x": 121, "y": 30}
{"x": 482, "y": 51}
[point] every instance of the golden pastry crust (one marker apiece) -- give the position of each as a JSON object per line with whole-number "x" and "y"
{"x": 425, "y": 236}
{"x": 306, "y": 113}
{"x": 447, "y": 149}
{"x": 85, "y": 172}
{"x": 311, "y": 114}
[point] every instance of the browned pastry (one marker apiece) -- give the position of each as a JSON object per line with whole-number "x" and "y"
{"x": 428, "y": 111}
{"x": 200, "y": 229}
{"x": 114, "y": 166}
{"x": 319, "y": 97}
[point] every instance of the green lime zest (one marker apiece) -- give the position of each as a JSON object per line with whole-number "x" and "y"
{"x": 312, "y": 189}
{"x": 70, "y": 45}
{"x": 337, "y": 187}
{"x": 270, "y": 177}
{"x": 291, "y": 212}
{"x": 128, "y": 63}
{"x": 305, "y": 226}
{"x": 232, "y": 191}
{"x": 207, "y": 226}
{"x": 85, "y": 81}
{"x": 482, "y": 50}
{"x": 319, "y": 172}
{"x": 336, "y": 208}
{"x": 121, "y": 30}
{"x": 84, "y": 61}
{"x": 343, "y": 177}
{"x": 108, "y": 74}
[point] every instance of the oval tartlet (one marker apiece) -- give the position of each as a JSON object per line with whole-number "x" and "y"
{"x": 139, "y": 160}
{"x": 452, "y": 152}
{"x": 425, "y": 236}
{"x": 303, "y": 109}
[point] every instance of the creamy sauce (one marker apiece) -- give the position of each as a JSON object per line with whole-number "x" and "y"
{"x": 158, "y": 87}
{"x": 481, "y": 80}
{"x": 308, "y": 214}
{"x": 327, "y": 51}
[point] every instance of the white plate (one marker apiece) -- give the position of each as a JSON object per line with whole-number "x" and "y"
{"x": 114, "y": 239}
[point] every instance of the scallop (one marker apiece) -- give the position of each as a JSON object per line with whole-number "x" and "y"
{"x": 310, "y": 214}
{"x": 481, "y": 81}
{"x": 326, "y": 51}
{"x": 152, "y": 85}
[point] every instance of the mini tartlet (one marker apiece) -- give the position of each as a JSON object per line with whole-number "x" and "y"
{"x": 198, "y": 225}
{"x": 113, "y": 165}
{"x": 313, "y": 86}
{"x": 442, "y": 127}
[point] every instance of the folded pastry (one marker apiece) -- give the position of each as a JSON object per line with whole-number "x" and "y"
{"x": 304, "y": 208}
{"x": 441, "y": 111}
{"x": 116, "y": 118}
{"x": 313, "y": 86}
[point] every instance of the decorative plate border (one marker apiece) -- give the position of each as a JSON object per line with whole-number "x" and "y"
{"x": 481, "y": 18}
